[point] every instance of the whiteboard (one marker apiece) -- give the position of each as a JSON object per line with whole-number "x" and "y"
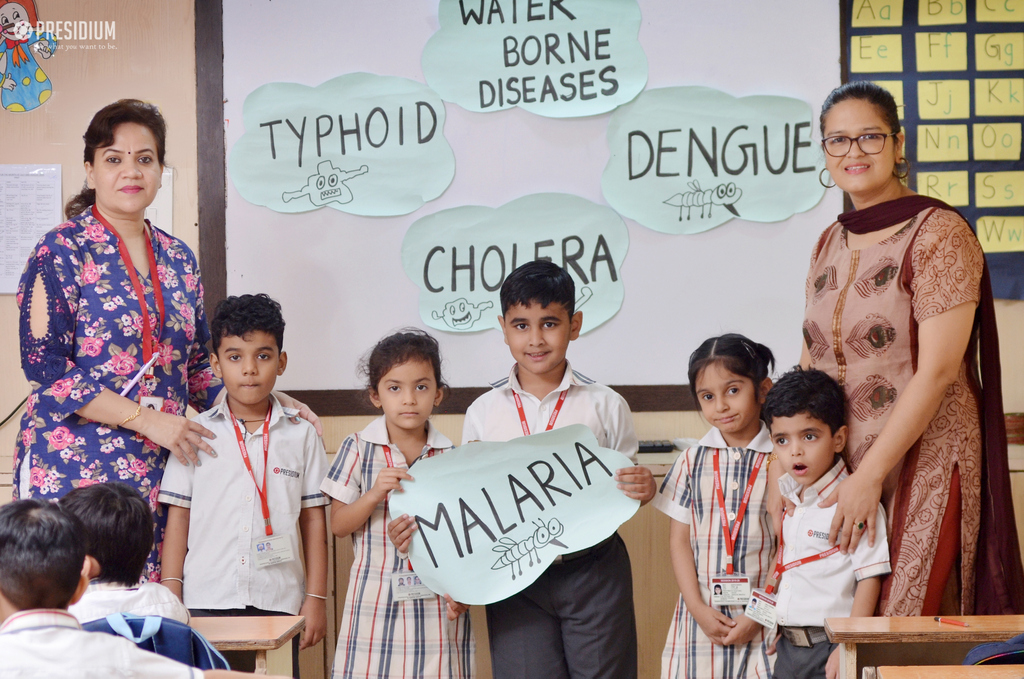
{"x": 339, "y": 277}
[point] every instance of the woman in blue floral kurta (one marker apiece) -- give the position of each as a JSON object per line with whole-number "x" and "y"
{"x": 94, "y": 333}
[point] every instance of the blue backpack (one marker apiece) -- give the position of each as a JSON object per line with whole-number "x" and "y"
{"x": 1010, "y": 652}
{"x": 163, "y": 636}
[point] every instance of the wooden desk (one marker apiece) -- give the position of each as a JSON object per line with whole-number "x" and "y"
{"x": 951, "y": 672}
{"x": 919, "y": 640}
{"x": 257, "y": 633}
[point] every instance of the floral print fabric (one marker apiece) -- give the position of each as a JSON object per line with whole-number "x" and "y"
{"x": 94, "y": 342}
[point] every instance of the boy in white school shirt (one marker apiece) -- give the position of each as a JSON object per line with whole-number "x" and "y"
{"x": 579, "y": 613}
{"x": 236, "y": 514}
{"x": 43, "y": 569}
{"x": 805, "y": 411}
{"x": 118, "y": 534}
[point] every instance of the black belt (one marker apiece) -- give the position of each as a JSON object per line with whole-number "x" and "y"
{"x": 804, "y": 637}
{"x": 573, "y": 556}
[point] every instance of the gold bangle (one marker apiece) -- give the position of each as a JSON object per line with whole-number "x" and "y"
{"x": 131, "y": 417}
{"x": 316, "y": 596}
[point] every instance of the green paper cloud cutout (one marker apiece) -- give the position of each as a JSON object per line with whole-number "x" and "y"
{"x": 360, "y": 143}
{"x": 687, "y": 159}
{"x": 459, "y": 257}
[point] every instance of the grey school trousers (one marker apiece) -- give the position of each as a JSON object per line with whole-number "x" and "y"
{"x": 575, "y": 622}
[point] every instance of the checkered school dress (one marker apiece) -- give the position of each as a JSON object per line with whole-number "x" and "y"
{"x": 379, "y": 637}
{"x": 688, "y": 495}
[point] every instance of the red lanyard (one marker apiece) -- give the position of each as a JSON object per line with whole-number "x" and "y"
{"x": 148, "y": 341}
{"x": 551, "y": 420}
{"x": 391, "y": 463}
{"x": 248, "y": 465}
{"x": 780, "y": 569}
{"x": 730, "y": 536}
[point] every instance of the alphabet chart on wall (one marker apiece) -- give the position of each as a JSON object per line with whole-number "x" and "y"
{"x": 956, "y": 69}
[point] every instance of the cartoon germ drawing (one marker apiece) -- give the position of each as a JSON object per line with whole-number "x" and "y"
{"x": 23, "y": 85}
{"x": 585, "y": 294}
{"x": 513, "y": 553}
{"x": 459, "y": 314}
{"x": 327, "y": 185}
{"x": 725, "y": 195}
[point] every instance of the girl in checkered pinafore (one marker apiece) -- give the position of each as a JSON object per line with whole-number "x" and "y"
{"x": 721, "y": 532}
{"x": 386, "y": 629}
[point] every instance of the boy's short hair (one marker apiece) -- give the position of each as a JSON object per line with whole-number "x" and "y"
{"x": 238, "y": 316}
{"x": 538, "y": 282}
{"x": 810, "y": 392}
{"x": 41, "y": 554}
{"x": 118, "y": 529}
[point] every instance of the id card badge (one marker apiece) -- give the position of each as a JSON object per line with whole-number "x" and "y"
{"x": 272, "y": 550}
{"x": 406, "y": 586}
{"x": 152, "y": 402}
{"x": 761, "y": 608}
{"x": 730, "y": 590}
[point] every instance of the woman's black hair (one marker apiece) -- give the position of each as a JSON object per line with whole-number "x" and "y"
{"x": 737, "y": 354}
{"x": 408, "y": 344}
{"x": 100, "y": 134}
{"x": 868, "y": 91}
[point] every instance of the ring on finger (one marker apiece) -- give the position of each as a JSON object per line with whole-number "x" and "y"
{"x": 860, "y": 525}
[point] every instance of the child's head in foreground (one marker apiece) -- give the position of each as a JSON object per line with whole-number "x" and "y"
{"x": 729, "y": 377}
{"x": 806, "y": 413}
{"x": 118, "y": 529}
{"x": 403, "y": 377}
{"x": 248, "y": 346}
{"x": 42, "y": 554}
{"x": 539, "y": 317}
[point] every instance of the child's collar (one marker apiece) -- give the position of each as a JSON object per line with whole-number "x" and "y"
{"x": 762, "y": 443}
{"x": 569, "y": 379}
{"x": 377, "y": 433}
{"x": 36, "y": 618}
{"x": 818, "y": 490}
{"x": 277, "y": 411}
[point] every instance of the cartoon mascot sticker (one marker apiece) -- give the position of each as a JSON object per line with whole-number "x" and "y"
{"x": 23, "y": 84}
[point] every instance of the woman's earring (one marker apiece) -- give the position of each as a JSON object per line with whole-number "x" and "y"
{"x": 902, "y": 169}
{"x": 821, "y": 179}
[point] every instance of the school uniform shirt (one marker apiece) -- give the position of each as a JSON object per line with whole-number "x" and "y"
{"x": 824, "y": 588}
{"x": 45, "y": 643}
{"x": 688, "y": 495}
{"x": 378, "y": 636}
{"x": 494, "y": 417}
{"x": 226, "y": 513}
{"x": 103, "y": 598}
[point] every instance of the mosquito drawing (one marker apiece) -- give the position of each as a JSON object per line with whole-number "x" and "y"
{"x": 725, "y": 195}
{"x": 514, "y": 552}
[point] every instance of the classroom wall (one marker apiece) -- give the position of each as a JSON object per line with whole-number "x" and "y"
{"x": 154, "y": 60}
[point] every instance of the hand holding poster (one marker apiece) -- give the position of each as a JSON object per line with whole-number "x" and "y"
{"x": 493, "y": 516}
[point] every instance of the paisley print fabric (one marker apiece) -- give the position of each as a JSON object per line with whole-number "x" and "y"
{"x": 863, "y": 332}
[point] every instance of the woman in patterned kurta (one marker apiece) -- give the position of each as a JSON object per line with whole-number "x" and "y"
{"x": 890, "y": 309}
{"x": 82, "y": 330}
{"x": 379, "y": 636}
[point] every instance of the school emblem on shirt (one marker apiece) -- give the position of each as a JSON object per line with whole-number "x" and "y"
{"x": 821, "y": 535}
{"x": 286, "y": 472}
